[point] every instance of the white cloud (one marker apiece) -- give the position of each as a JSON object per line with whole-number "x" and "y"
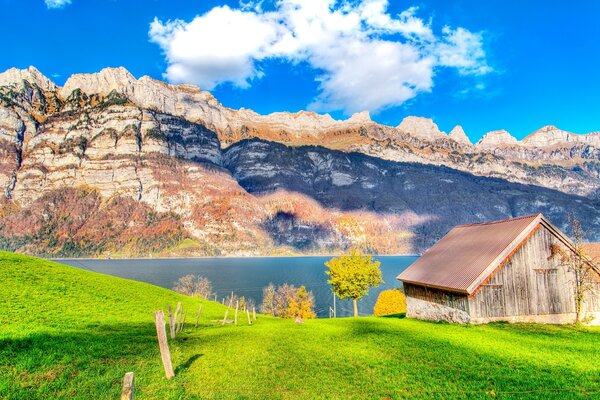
{"x": 57, "y": 3}
{"x": 364, "y": 57}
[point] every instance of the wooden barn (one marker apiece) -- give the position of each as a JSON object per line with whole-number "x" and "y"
{"x": 499, "y": 271}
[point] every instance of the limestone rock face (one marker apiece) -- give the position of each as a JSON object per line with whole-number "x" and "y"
{"x": 458, "y": 134}
{"x": 423, "y": 128}
{"x": 498, "y": 138}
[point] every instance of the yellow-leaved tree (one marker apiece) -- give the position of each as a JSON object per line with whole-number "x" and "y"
{"x": 352, "y": 275}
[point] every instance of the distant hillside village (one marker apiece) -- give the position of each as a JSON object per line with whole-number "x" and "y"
{"x": 518, "y": 270}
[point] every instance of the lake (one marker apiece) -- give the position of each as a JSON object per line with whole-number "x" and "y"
{"x": 247, "y": 276}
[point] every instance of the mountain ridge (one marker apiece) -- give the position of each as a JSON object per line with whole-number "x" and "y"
{"x": 233, "y": 182}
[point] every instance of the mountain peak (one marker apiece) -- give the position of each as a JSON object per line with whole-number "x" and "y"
{"x": 15, "y": 76}
{"x": 360, "y": 117}
{"x": 420, "y": 127}
{"x": 102, "y": 82}
{"x": 459, "y": 135}
{"x": 548, "y": 135}
{"x": 497, "y": 138}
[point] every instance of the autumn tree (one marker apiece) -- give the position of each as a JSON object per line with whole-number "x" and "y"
{"x": 352, "y": 275}
{"x": 193, "y": 285}
{"x": 300, "y": 305}
{"x": 579, "y": 263}
{"x": 389, "y": 302}
{"x": 288, "y": 301}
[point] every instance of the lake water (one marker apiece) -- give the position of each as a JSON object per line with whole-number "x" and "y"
{"x": 249, "y": 275}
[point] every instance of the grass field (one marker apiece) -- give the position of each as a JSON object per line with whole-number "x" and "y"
{"x": 68, "y": 333}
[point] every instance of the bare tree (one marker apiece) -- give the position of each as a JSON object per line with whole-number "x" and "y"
{"x": 268, "y": 304}
{"x": 579, "y": 264}
{"x": 193, "y": 285}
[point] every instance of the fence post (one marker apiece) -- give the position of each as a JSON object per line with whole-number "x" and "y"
{"x": 165, "y": 354}
{"x": 248, "y": 314}
{"x": 237, "y": 305}
{"x": 225, "y": 317}
{"x": 254, "y": 312}
{"x": 198, "y": 315}
{"x": 127, "y": 393}
{"x": 176, "y": 320}
{"x": 171, "y": 324}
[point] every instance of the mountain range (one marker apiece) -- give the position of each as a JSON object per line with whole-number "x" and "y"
{"x": 113, "y": 165}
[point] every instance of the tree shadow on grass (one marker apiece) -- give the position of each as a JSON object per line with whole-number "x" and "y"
{"x": 182, "y": 367}
{"x": 395, "y": 316}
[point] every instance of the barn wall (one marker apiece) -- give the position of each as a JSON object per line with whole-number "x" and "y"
{"x": 530, "y": 283}
{"x": 435, "y": 305}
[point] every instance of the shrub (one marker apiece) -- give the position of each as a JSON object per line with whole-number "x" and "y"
{"x": 391, "y": 301}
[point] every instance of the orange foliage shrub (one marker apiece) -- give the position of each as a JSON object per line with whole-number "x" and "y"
{"x": 390, "y": 302}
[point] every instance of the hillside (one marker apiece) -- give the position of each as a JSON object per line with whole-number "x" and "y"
{"x": 68, "y": 333}
{"x": 113, "y": 165}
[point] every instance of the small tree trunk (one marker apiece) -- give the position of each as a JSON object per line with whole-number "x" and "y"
{"x": 355, "y": 308}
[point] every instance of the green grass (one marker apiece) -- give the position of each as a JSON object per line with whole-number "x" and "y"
{"x": 68, "y": 333}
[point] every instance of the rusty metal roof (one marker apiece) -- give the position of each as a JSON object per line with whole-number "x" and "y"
{"x": 464, "y": 258}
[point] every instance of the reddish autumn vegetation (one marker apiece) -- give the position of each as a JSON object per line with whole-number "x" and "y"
{"x": 77, "y": 222}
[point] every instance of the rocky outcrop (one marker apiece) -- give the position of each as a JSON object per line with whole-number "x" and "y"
{"x": 422, "y": 128}
{"x": 19, "y": 78}
{"x": 496, "y": 139}
{"x": 552, "y": 136}
{"x": 459, "y": 135}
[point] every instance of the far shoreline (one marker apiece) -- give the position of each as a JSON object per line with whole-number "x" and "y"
{"x": 213, "y": 257}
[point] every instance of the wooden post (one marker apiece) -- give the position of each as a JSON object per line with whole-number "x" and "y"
{"x": 223, "y": 301}
{"x": 176, "y": 320}
{"x": 225, "y": 317}
{"x": 171, "y": 323}
{"x": 231, "y": 300}
{"x": 127, "y": 393}
{"x": 180, "y": 322}
{"x": 254, "y": 312}
{"x": 215, "y": 297}
{"x": 183, "y": 321}
{"x": 237, "y": 305}
{"x": 198, "y": 315}
{"x": 159, "y": 319}
{"x": 248, "y": 314}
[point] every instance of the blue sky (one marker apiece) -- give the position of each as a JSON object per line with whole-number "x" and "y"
{"x": 515, "y": 65}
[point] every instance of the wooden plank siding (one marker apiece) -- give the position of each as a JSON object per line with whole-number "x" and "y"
{"x": 437, "y": 296}
{"x": 531, "y": 282}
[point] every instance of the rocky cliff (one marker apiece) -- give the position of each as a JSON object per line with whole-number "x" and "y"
{"x": 110, "y": 164}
